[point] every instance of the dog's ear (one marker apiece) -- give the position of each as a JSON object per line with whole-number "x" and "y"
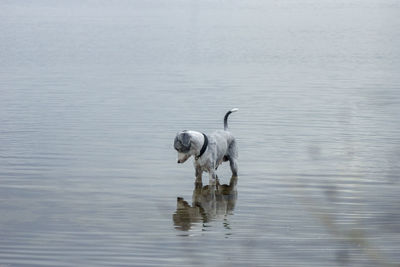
{"x": 182, "y": 142}
{"x": 185, "y": 139}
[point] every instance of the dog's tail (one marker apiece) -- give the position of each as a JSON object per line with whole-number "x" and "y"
{"x": 226, "y": 117}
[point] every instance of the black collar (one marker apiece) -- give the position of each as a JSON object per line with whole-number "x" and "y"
{"x": 204, "y": 147}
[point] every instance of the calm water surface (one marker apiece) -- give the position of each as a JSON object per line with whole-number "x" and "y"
{"x": 92, "y": 94}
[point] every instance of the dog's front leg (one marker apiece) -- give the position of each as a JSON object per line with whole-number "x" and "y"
{"x": 198, "y": 174}
{"x": 213, "y": 177}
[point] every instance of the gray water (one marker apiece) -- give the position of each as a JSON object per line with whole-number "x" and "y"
{"x": 92, "y": 94}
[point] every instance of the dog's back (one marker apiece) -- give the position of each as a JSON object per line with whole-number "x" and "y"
{"x": 224, "y": 144}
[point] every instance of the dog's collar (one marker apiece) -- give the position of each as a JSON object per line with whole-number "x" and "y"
{"x": 204, "y": 147}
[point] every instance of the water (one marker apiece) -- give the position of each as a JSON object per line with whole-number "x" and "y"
{"x": 92, "y": 94}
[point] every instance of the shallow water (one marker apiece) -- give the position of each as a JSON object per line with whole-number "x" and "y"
{"x": 92, "y": 95}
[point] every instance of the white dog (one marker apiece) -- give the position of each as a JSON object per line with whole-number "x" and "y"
{"x": 208, "y": 151}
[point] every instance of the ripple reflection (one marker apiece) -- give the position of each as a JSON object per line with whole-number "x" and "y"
{"x": 210, "y": 202}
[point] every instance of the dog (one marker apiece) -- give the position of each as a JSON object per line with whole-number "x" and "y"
{"x": 208, "y": 151}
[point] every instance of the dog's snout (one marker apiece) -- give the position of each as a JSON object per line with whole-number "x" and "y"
{"x": 179, "y": 161}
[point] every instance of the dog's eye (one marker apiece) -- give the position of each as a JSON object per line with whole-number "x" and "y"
{"x": 178, "y": 146}
{"x": 181, "y": 148}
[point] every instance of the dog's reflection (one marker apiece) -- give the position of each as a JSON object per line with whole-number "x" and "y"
{"x": 208, "y": 203}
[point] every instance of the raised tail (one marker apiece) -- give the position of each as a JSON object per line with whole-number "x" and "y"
{"x": 226, "y": 117}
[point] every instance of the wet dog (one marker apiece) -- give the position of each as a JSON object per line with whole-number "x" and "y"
{"x": 208, "y": 151}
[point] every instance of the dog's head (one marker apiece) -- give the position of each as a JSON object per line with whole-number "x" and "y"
{"x": 182, "y": 145}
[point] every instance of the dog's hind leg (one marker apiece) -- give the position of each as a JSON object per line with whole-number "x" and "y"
{"x": 234, "y": 167}
{"x": 232, "y": 156}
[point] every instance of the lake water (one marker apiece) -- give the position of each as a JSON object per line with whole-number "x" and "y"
{"x": 92, "y": 94}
